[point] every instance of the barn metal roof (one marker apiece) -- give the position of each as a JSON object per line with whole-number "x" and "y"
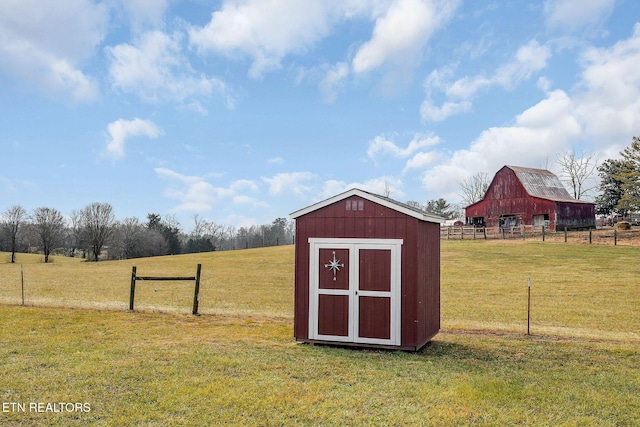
{"x": 543, "y": 184}
{"x": 376, "y": 198}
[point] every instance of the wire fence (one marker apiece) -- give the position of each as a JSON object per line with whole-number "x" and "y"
{"x": 609, "y": 236}
{"x": 482, "y": 288}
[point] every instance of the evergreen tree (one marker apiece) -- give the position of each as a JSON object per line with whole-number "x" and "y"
{"x": 630, "y": 177}
{"x": 611, "y": 187}
{"x": 441, "y": 208}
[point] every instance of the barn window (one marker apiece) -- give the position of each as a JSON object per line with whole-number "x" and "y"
{"x": 354, "y": 205}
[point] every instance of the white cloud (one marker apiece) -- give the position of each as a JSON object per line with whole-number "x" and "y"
{"x": 247, "y": 200}
{"x": 296, "y": 183}
{"x": 382, "y": 145}
{"x": 121, "y": 130}
{"x": 155, "y": 69}
{"x": 528, "y": 60}
{"x": 609, "y": 99}
{"x": 276, "y": 160}
{"x": 432, "y": 113}
{"x": 422, "y": 160}
{"x": 265, "y": 30}
{"x": 544, "y": 129}
{"x": 333, "y": 80}
{"x": 145, "y": 13}
{"x": 401, "y": 33}
{"x": 375, "y": 185}
{"x": 601, "y": 115}
{"x": 195, "y": 194}
{"x": 572, "y": 15}
{"x": 42, "y": 43}
{"x": 242, "y": 185}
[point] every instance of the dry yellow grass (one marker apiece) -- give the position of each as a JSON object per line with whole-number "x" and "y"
{"x": 238, "y": 363}
{"x": 577, "y": 290}
{"x": 251, "y": 282}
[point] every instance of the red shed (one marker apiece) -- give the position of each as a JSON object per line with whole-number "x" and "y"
{"x": 529, "y": 196}
{"x": 367, "y": 272}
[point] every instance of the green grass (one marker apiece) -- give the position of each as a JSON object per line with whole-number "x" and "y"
{"x": 160, "y": 369}
{"x": 238, "y": 363}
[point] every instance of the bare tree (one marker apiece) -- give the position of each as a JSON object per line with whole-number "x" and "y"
{"x": 474, "y": 187}
{"x": 74, "y": 232}
{"x": 199, "y": 226}
{"x": 49, "y": 226}
{"x": 12, "y": 221}
{"x": 387, "y": 189}
{"x": 98, "y": 221}
{"x": 575, "y": 172}
{"x": 128, "y": 237}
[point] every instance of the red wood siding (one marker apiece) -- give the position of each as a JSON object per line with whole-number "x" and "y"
{"x": 575, "y": 215}
{"x": 333, "y": 318}
{"x": 420, "y": 265}
{"x": 375, "y": 270}
{"x": 374, "y": 318}
{"x": 428, "y": 260}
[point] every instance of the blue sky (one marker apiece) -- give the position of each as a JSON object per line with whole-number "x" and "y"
{"x": 242, "y": 111}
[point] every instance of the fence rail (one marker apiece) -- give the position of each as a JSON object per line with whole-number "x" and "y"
{"x": 599, "y": 236}
{"x": 196, "y": 278}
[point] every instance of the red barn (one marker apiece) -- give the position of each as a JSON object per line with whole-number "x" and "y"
{"x": 535, "y": 197}
{"x": 367, "y": 272}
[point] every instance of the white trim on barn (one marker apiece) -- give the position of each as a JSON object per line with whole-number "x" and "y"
{"x": 384, "y": 201}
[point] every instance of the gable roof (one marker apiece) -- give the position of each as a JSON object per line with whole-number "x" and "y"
{"x": 543, "y": 184}
{"x": 376, "y": 198}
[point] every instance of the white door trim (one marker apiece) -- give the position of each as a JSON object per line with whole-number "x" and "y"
{"x": 354, "y": 246}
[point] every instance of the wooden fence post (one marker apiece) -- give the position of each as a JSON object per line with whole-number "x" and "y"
{"x": 565, "y": 234}
{"x": 133, "y": 287}
{"x": 615, "y": 237}
{"x": 543, "y": 233}
{"x": 590, "y": 239}
{"x": 528, "y": 306}
{"x": 196, "y": 295}
{"x": 22, "y": 280}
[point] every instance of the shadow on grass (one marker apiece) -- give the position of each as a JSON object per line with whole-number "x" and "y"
{"x": 454, "y": 350}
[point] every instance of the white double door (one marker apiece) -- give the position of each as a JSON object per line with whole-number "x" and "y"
{"x": 354, "y": 290}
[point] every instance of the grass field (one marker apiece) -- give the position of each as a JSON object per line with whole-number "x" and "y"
{"x": 238, "y": 363}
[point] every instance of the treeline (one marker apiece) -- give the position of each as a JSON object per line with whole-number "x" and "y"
{"x": 95, "y": 234}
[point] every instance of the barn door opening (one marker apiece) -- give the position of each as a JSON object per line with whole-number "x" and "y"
{"x": 355, "y": 290}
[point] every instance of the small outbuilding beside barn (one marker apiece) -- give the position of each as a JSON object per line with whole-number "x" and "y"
{"x": 530, "y": 197}
{"x": 367, "y": 272}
